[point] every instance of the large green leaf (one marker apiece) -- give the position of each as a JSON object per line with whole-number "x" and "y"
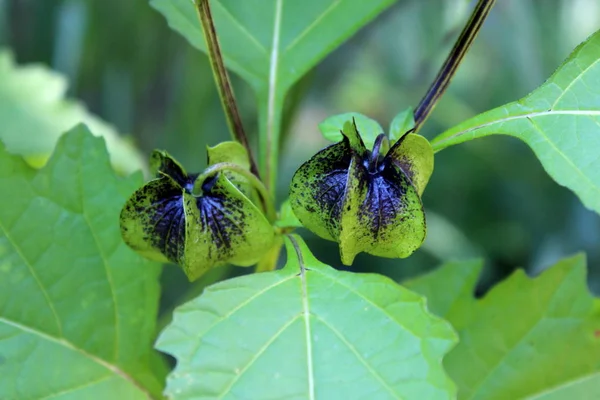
{"x": 34, "y": 115}
{"x": 560, "y": 121}
{"x": 77, "y": 307}
{"x": 273, "y": 43}
{"x": 306, "y": 332}
{"x": 527, "y": 338}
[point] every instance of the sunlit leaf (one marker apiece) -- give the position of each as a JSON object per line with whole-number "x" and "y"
{"x": 273, "y": 43}
{"x": 77, "y": 307}
{"x": 35, "y": 113}
{"x": 536, "y": 338}
{"x": 232, "y": 152}
{"x": 369, "y": 129}
{"x": 560, "y": 121}
{"x": 402, "y": 123}
{"x": 306, "y": 332}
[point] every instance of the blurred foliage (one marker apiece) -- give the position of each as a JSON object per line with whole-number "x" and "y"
{"x": 491, "y": 195}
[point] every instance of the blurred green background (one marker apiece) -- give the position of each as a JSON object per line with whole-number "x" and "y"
{"x": 488, "y": 198}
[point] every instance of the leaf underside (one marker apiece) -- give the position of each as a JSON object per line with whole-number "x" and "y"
{"x": 560, "y": 121}
{"x": 306, "y": 332}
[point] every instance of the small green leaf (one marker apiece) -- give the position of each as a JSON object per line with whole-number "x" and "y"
{"x": 233, "y": 152}
{"x": 365, "y": 203}
{"x": 527, "y": 338}
{"x": 287, "y": 218}
{"x": 78, "y": 307}
{"x": 402, "y": 123}
{"x": 163, "y": 220}
{"x": 34, "y": 114}
{"x": 306, "y": 332}
{"x": 560, "y": 121}
{"x": 369, "y": 129}
{"x": 271, "y": 44}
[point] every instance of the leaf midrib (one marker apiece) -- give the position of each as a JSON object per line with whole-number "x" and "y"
{"x": 306, "y": 316}
{"x": 105, "y": 263}
{"x": 529, "y": 117}
{"x": 563, "y": 385}
{"x": 437, "y": 143}
{"x": 30, "y": 268}
{"x": 272, "y": 93}
{"x": 70, "y": 346}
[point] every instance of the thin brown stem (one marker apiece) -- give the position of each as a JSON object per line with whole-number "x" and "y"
{"x": 444, "y": 76}
{"x": 234, "y": 121}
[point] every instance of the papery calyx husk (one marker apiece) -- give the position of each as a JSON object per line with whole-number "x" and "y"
{"x": 165, "y": 221}
{"x": 367, "y": 203}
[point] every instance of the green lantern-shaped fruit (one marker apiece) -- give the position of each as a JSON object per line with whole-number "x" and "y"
{"x": 365, "y": 200}
{"x": 198, "y": 220}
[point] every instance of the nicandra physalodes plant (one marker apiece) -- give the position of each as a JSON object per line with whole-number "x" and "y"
{"x": 198, "y": 220}
{"x": 363, "y": 199}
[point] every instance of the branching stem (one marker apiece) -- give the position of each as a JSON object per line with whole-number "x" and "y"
{"x": 445, "y": 74}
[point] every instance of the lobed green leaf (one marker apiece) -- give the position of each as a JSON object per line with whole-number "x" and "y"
{"x": 77, "y": 307}
{"x": 305, "y": 332}
{"x": 534, "y": 338}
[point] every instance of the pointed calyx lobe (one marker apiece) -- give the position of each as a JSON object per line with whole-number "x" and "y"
{"x": 366, "y": 201}
{"x": 165, "y": 221}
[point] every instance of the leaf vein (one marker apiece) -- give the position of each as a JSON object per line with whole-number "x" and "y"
{"x": 35, "y": 277}
{"x": 257, "y": 355}
{"x": 356, "y": 353}
{"x": 70, "y": 346}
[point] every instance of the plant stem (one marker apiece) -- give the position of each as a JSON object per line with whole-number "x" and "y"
{"x": 253, "y": 179}
{"x": 445, "y": 74}
{"x": 234, "y": 121}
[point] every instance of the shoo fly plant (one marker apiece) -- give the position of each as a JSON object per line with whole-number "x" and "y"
{"x": 81, "y": 247}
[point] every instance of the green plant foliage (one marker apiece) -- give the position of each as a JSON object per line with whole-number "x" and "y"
{"x": 402, "y": 123}
{"x": 369, "y": 129}
{"x": 235, "y": 153}
{"x": 560, "y": 121}
{"x": 77, "y": 307}
{"x": 35, "y": 114}
{"x": 165, "y": 221}
{"x": 527, "y": 338}
{"x": 365, "y": 202}
{"x": 271, "y": 44}
{"x": 287, "y": 218}
{"x": 306, "y": 332}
